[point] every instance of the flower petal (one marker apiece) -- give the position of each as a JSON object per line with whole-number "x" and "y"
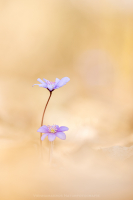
{"x": 40, "y": 85}
{"x": 40, "y": 80}
{"x": 61, "y": 135}
{"x": 43, "y": 136}
{"x": 62, "y": 82}
{"x": 43, "y": 84}
{"x": 63, "y": 128}
{"x": 43, "y": 129}
{"x": 57, "y": 127}
{"x": 56, "y": 81}
{"x": 51, "y": 137}
{"x": 45, "y": 80}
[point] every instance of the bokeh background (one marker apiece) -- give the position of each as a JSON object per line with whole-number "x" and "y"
{"x": 91, "y": 42}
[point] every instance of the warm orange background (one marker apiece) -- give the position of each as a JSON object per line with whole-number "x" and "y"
{"x": 91, "y": 42}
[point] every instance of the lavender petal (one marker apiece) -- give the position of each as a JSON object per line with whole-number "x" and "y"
{"x": 61, "y": 135}
{"x": 51, "y": 137}
{"x": 62, "y": 82}
{"x": 43, "y": 129}
{"x": 63, "y": 128}
{"x": 40, "y": 80}
{"x": 43, "y": 136}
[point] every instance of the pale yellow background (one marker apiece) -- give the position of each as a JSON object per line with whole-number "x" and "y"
{"x": 91, "y": 42}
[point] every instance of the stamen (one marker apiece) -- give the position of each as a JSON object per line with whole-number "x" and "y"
{"x": 50, "y": 83}
{"x": 52, "y": 129}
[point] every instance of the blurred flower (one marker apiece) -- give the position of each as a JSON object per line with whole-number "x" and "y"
{"x": 53, "y": 85}
{"x": 52, "y": 132}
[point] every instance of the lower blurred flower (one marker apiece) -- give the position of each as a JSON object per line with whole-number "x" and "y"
{"x": 52, "y": 132}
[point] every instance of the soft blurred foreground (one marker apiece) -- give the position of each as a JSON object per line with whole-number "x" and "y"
{"x": 91, "y": 42}
{"x": 77, "y": 171}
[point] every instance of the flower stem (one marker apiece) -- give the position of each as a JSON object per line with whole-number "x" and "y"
{"x": 51, "y": 151}
{"x": 43, "y": 116}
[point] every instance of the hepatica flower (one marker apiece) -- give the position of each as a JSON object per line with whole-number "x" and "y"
{"x": 52, "y": 132}
{"x": 52, "y": 85}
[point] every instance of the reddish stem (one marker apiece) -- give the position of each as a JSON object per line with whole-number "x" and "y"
{"x": 43, "y": 115}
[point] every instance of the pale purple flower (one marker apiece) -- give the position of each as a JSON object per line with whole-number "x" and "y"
{"x": 52, "y": 85}
{"x": 52, "y": 132}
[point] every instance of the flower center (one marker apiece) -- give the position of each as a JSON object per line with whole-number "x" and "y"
{"x": 52, "y": 84}
{"x": 52, "y": 129}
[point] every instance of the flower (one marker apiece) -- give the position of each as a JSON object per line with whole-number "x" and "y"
{"x": 52, "y": 85}
{"x": 52, "y": 132}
